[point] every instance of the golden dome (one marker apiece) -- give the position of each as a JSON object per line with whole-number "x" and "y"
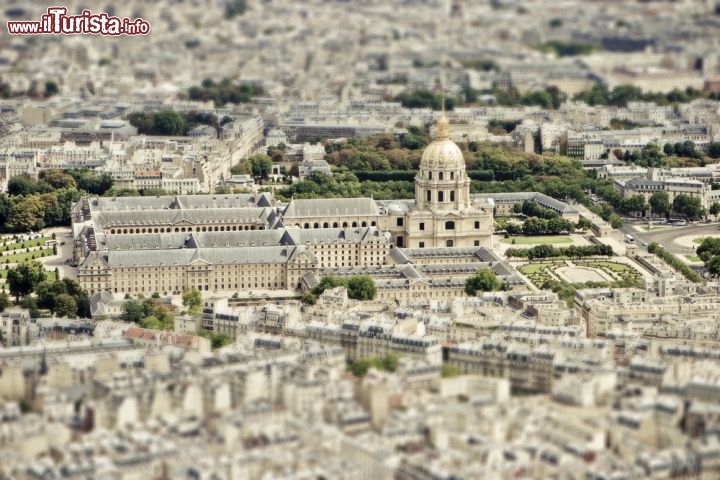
{"x": 442, "y": 153}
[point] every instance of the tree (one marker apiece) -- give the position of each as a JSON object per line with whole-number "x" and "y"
{"x": 27, "y": 213}
{"x": 669, "y": 149}
{"x": 389, "y": 362}
{"x": 713, "y": 266}
{"x": 260, "y": 166}
{"x": 690, "y": 207}
{"x": 583, "y": 224}
{"x": 91, "y": 182}
{"x": 65, "y": 306}
{"x": 151, "y": 322}
{"x": 709, "y": 247}
{"x": 22, "y": 185}
{"x": 134, "y": 311}
{"x": 217, "y": 340}
{"x": 615, "y": 221}
{"x": 192, "y": 298}
{"x": 58, "y": 178}
{"x": 309, "y": 297}
{"x": 635, "y": 204}
{"x": 327, "y": 282}
{"x": 47, "y": 293}
{"x": 23, "y": 278}
{"x": 650, "y": 154}
{"x": 4, "y": 301}
{"x": 361, "y": 287}
{"x": 715, "y": 208}
{"x": 51, "y": 88}
{"x": 714, "y": 150}
{"x": 169, "y": 122}
{"x": 484, "y": 280}
{"x": 660, "y": 203}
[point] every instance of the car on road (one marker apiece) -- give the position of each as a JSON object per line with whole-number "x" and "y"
{"x": 644, "y": 244}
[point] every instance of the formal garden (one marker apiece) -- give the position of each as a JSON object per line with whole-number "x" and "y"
{"x": 16, "y": 249}
{"x": 581, "y": 272}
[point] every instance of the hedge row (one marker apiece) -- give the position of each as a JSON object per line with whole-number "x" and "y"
{"x": 675, "y": 262}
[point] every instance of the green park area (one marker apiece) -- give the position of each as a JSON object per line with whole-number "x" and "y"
{"x": 545, "y": 275}
{"x": 538, "y": 240}
{"x": 13, "y": 251}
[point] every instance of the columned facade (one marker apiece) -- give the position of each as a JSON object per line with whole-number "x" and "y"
{"x": 442, "y": 214}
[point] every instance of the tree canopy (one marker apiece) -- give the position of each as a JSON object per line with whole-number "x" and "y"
{"x": 24, "y": 277}
{"x": 484, "y": 280}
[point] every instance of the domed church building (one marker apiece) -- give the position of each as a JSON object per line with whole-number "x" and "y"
{"x": 443, "y": 214}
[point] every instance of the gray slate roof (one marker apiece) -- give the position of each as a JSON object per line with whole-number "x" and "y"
{"x": 184, "y": 202}
{"x": 215, "y": 256}
{"x": 519, "y": 197}
{"x": 252, "y": 215}
{"x": 358, "y": 235}
{"x": 154, "y": 241}
{"x": 331, "y": 207}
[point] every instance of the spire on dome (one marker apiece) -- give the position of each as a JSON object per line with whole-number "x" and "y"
{"x": 443, "y": 125}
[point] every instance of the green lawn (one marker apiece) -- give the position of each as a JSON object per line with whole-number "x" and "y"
{"x": 539, "y": 240}
{"x": 614, "y": 266}
{"x": 693, "y": 258}
{"x": 532, "y": 268}
{"x": 23, "y": 256}
{"x": 28, "y": 243}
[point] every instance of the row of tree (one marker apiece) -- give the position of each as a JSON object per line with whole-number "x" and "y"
{"x": 423, "y": 98}
{"x": 259, "y": 166}
{"x": 674, "y": 262}
{"x": 346, "y": 184}
{"x": 683, "y": 205}
{"x": 541, "y": 226}
{"x": 63, "y": 298}
{"x": 150, "y": 313}
{"x": 359, "y": 287}
{"x": 35, "y": 204}
{"x": 225, "y": 91}
{"x": 35, "y": 91}
{"x": 534, "y": 209}
{"x": 621, "y": 95}
{"x": 360, "y": 367}
{"x": 550, "y": 251}
{"x": 173, "y": 123}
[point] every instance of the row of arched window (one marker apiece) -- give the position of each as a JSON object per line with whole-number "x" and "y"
{"x": 337, "y": 225}
{"x": 222, "y": 228}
